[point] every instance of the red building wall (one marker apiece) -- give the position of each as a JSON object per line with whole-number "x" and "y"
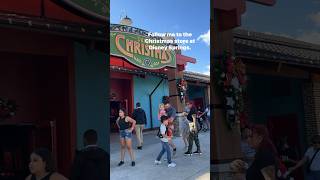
{"x": 33, "y": 8}
{"x": 35, "y": 71}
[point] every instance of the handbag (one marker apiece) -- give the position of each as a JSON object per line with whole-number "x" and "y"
{"x": 193, "y": 125}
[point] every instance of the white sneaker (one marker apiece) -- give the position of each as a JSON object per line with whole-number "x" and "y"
{"x": 171, "y": 165}
{"x": 157, "y": 162}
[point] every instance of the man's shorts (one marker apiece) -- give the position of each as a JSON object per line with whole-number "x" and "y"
{"x": 126, "y": 134}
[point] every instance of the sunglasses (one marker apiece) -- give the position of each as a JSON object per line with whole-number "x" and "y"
{"x": 316, "y": 142}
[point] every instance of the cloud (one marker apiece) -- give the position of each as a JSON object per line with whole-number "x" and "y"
{"x": 208, "y": 71}
{"x": 311, "y": 37}
{"x": 205, "y": 38}
{"x": 205, "y": 70}
{"x": 315, "y": 18}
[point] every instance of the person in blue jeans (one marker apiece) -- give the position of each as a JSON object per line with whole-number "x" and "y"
{"x": 164, "y": 142}
{"x": 126, "y": 125}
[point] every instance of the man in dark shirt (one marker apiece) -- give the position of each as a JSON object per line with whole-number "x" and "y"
{"x": 193, "y": 136}
{"x": 265, "y": 160}
{"x": 92, "y": 161}
{"x": 141, "y": 119}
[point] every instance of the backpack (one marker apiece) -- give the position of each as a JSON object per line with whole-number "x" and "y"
{"x": 159, "y": 133}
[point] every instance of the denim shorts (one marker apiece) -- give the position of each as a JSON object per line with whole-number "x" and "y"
{"x": 125, "y": 134}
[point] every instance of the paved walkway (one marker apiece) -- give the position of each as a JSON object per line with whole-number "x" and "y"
{"x": 196, "y": 167}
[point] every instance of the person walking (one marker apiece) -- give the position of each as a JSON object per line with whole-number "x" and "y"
{"x": 185, "y": 127}
{"x": 41, "y": 166}
{"x": 164, "y": 142}
{"x": 126, "y": 125}
{"x": 193, "y": 135}
{"x": 186, "y": 108}
{"x": 312, "y": 159}
{"x": 206, "y": 117}
{"x": 92, "y": 162}
{"x": 171, "y": 113}
{"x": 266, "y": 159}
{"x": 141, "y": 120}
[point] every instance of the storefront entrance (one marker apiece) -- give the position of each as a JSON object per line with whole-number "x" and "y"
{"x": 39, "y": 86}
{"x": 197, "y": 95}
{"x": 17, "y": 142}
{"x": 120, "y": 97}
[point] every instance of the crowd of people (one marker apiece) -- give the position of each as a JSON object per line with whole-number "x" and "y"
{"x": 262, "y": 159}
{"x": 167, "y": 116}
{"x": 265, "y": 161}
{"x": 91, "y": 162}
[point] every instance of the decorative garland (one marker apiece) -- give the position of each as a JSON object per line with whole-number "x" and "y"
{"x": 230, "y": 81}
{"x": 8, "y": 108}
{"x": 182, "y": 89}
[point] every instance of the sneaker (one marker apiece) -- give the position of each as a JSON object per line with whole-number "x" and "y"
{"x": 171, "y": 165}
{"x": 188, "y": 153}
{"x": 120, "y": 163}
{"x": 157, "y": 162}
{"x": 197, "y": 152}
{"x": 139, "y": 147}
{"x": 133, "y": 163}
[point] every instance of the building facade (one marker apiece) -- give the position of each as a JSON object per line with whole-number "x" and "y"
{"x": 53, "y": 66}
{"x": 135, "y": 81}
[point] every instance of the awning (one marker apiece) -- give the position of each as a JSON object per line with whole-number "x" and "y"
{"x": 268, "y": 47}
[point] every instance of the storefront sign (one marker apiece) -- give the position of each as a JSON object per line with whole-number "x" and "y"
{"x": 136, "y": 48}
{"x": 93, "y": 9}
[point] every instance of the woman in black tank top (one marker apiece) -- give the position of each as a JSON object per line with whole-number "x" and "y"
{"x": 126, "y": 126}
{"x": 42, "y": 166}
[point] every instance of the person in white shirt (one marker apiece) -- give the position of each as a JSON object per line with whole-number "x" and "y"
{"x": 312, "y": 158}
{"x": 206, "y": 113}
{"x": 164, "y": 142}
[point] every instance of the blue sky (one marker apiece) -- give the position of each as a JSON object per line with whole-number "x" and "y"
{"x": 299, "y": 19}
{"x": 170, "y": 16}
